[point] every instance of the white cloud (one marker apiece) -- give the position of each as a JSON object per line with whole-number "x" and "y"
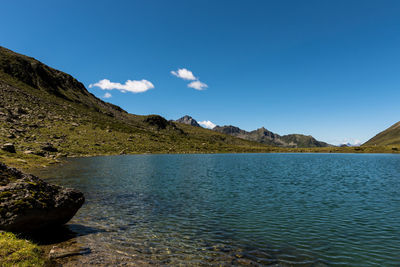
{"x": 107, "y": 95}
{"x": 357, "y": 142}
{"x": 129, "y": 86}
{"x": 198, "y": 85}
{"x": 184, "y": 74}
{"x": 207, "y": 124}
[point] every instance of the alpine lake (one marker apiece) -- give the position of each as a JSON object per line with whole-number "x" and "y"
{"x": 235, "y": 209}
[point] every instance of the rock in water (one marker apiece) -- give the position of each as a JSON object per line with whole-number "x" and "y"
{"x": 56, "y": 252}
{"x": 28, "y": 204}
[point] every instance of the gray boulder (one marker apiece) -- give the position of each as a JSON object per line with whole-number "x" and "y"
{"x": 27, "y": 203}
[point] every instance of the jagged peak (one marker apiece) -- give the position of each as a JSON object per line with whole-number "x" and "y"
{"x": 188, "y": 120}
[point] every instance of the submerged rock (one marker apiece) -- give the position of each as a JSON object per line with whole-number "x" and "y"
{"x": 27, "y": 203}
{"x": 56, "y": 252}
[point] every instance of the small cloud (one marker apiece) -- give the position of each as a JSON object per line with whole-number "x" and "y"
{"x": 207, "y": 124}
{"x": 128, "y": 86}
{"x": 184, "y": 74}
{"x": 198, "y": 85}
{"x": 107, "y": 95}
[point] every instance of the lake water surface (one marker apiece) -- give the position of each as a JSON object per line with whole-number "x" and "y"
{"x": 237, "y": 209}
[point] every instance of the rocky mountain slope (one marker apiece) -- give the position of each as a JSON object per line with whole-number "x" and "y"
{"x": 48, "y": 113}
{"x": 264, "y": 136}
{"x": 390, "y": 136}
{"x": 188, "y": 120}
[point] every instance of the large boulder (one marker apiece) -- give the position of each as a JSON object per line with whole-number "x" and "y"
{"x": 27, "y": 203}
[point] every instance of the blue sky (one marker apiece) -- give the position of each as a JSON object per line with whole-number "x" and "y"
{"x": 330, "y": 69}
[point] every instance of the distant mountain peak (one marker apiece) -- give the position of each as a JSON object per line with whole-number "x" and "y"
{"x": 188, "y": 120}
{"x": 263, "y": 130}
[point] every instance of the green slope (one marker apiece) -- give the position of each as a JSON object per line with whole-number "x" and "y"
{"x": 41, "y": 106}
{"x": 390, "y": 136}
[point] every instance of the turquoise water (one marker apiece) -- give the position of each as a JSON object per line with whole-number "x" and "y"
{"x": 238, "y": 209}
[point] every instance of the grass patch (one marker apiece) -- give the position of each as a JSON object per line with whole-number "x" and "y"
{"x": 19, "y": 252}
{"x": 25, "y": 162}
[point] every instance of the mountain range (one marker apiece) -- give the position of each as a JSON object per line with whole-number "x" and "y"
{"x": 263, "y": 136}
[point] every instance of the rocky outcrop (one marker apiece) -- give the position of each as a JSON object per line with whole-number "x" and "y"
{"x": 8, "y": 147}
{"x": 28, "y": 204}
{"x": 188, "y": 120}
{"x": 156, "y": 120}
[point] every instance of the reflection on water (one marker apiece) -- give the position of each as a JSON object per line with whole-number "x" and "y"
{"x": 241, "y": 209}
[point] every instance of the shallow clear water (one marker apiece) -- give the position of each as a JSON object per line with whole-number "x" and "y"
{"x": 278, "y": 209}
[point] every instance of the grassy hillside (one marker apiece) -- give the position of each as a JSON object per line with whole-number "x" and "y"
{"x": 390, "y": 136}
